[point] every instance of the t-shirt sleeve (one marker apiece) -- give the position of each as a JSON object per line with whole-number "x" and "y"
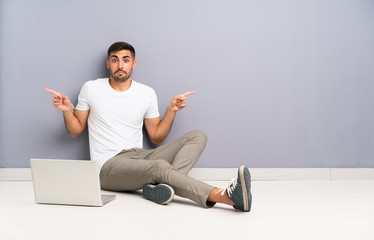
{"x": 83, "y": 104}
{"x": 152, "y": 111}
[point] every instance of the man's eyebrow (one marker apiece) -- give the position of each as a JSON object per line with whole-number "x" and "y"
{"x": 115, "y": 56}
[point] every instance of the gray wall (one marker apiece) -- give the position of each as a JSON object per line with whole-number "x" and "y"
{"x": 278, "y": 83}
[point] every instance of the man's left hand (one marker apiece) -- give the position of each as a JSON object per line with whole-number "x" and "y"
{"x": 179, "y": 102}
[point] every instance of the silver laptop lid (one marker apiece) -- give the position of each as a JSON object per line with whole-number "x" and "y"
{"x": 71, "y": 182}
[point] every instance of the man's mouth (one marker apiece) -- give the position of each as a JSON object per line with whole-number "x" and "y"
{"x": 120, "y": 71}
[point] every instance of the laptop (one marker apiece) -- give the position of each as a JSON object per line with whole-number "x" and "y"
{"x": 67, "y": 182}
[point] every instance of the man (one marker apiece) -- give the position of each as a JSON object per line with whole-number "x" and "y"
{"x": 115, "y": 109}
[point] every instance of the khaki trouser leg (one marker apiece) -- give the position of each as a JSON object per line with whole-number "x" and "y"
{"x": 132, "y": 169}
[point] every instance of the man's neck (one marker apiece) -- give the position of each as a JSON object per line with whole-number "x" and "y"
{"x": 120, "y": 86}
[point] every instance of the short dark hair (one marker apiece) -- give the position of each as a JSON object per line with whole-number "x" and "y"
{"x": 118, "y": 46}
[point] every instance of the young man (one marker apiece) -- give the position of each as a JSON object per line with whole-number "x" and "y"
{"x": 115, "y": 109}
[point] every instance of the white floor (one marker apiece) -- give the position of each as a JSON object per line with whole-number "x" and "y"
{"x": 281, "y": 210}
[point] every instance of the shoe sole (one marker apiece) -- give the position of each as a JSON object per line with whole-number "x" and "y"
{"x": 150, "y": 196}
{"x": 171, "y": 195}
{"x": 244, "y": 189}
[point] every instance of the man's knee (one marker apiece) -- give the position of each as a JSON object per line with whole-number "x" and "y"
{"x": 160, "y": 165}
{"x": 199, "y": 135}
{"x": 160, "y": 170}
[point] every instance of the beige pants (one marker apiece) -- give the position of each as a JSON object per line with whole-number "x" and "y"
{"x": 131, "y": 169}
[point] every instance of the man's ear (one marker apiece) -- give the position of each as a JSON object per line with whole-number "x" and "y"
{"x": 134, "y": 65}
{"x": 107, "y": 63}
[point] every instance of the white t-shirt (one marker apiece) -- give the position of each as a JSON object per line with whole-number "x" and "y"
{"x": 116, "y": 118}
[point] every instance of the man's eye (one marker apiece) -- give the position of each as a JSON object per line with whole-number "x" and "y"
{"x": 114, "y": 60}
{"x": 126, "y": 61}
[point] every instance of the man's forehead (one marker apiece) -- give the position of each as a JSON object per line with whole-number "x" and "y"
{"x": 121, "y": 54}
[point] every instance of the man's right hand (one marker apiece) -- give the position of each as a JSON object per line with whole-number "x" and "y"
{"x": 60, "y": 101}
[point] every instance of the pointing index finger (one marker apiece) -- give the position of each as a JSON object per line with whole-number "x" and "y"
{"x": 188, "y": 93}
{"x": 53, "y": 92}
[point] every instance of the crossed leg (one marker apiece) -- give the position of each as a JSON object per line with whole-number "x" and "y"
{"x": 169, "y": 164}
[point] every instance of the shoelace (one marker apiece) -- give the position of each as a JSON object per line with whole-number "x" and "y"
{"x": 230, "y": 187}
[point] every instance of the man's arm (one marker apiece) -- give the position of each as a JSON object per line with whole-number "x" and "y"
{"x": 158, "y": 130}
{"x": 75, "y": 122}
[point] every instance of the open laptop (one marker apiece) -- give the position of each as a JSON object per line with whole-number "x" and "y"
{"x": 68, "y": 182}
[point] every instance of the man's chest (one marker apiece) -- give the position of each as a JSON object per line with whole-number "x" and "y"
{"x": 129, "y": 109}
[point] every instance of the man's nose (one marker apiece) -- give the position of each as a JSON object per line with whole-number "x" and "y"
{"x": 121, "y": 64}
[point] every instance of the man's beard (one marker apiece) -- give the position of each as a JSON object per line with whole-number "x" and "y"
{"x": 124, "y": 77}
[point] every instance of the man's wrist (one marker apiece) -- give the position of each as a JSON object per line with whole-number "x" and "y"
{"x": 170, "y": 110}
{"x": 71, "y": 109}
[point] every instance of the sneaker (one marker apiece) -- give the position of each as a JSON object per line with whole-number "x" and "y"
{"x": 239, "y": 190}
{"x": 161, "y": 193}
